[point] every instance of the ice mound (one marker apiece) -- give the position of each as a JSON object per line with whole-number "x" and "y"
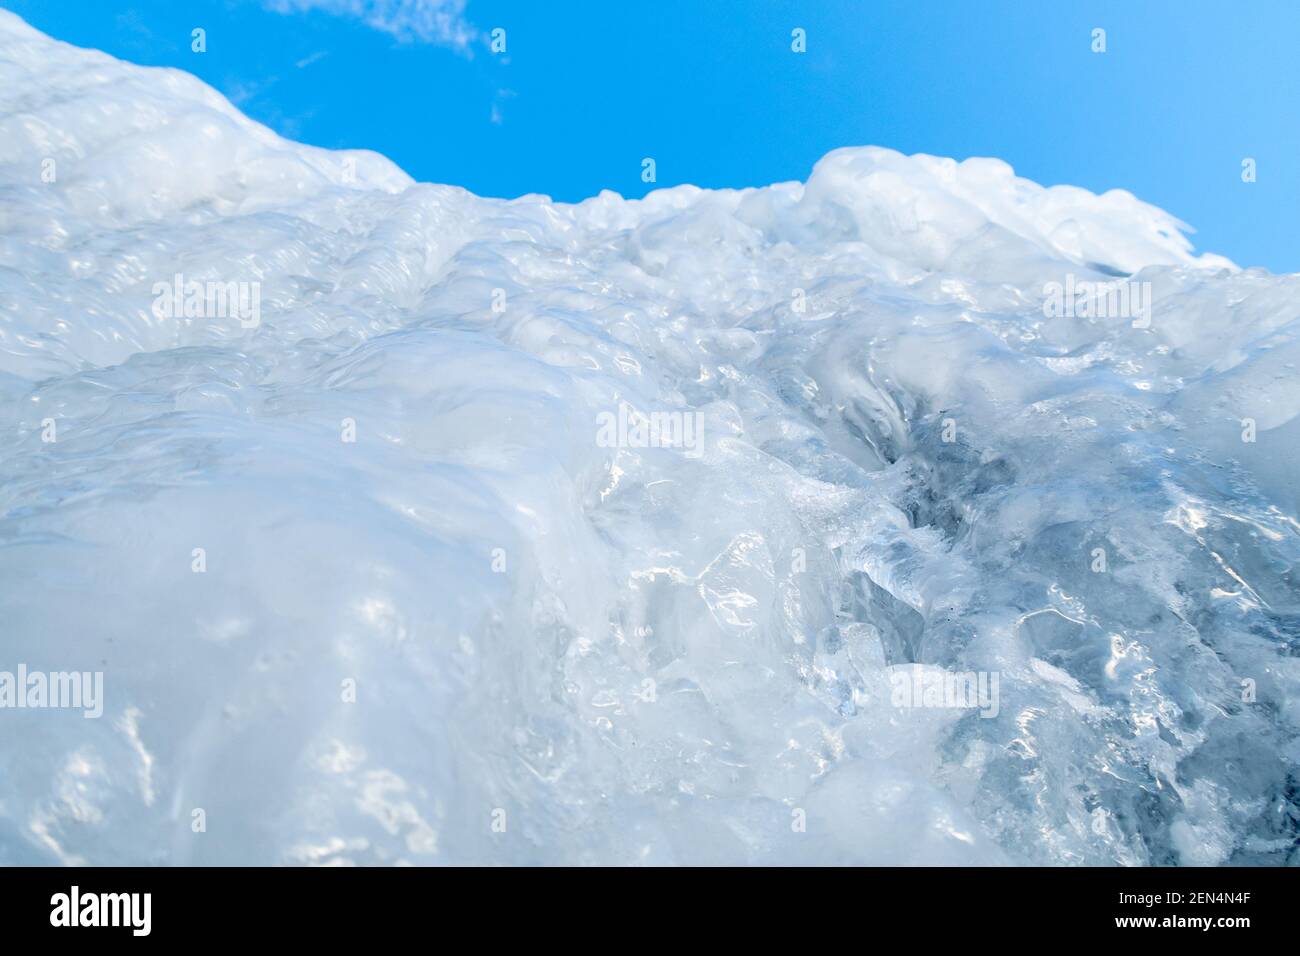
{"x": 442, "y": 529}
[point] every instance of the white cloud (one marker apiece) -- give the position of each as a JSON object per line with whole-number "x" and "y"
{"x": 428, "y": 21}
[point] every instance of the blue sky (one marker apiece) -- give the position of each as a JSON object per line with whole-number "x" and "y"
{"x": 711, "y": 89}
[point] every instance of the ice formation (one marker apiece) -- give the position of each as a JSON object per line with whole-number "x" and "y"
{"x": 366, "y": 584}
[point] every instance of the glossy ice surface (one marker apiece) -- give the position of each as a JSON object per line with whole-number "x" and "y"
{"x": 367, "y": 582}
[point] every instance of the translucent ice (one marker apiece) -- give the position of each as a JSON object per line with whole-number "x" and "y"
{"x": 388, "y": 566}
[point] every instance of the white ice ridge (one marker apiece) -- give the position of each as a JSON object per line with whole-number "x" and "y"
{"x": 509, "y": 623}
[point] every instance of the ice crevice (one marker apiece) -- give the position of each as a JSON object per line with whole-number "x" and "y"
{"x": 904, "y": 465}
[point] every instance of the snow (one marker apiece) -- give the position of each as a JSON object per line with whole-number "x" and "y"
{"x": 480, "y": 632}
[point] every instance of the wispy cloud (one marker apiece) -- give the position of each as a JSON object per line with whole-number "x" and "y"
{"x": 309, "y": 60}
{"x": 498, "y": 106}
{"x": 426, "y": 21}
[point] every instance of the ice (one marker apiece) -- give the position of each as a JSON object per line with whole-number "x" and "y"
{"x": 482, "y": 633}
